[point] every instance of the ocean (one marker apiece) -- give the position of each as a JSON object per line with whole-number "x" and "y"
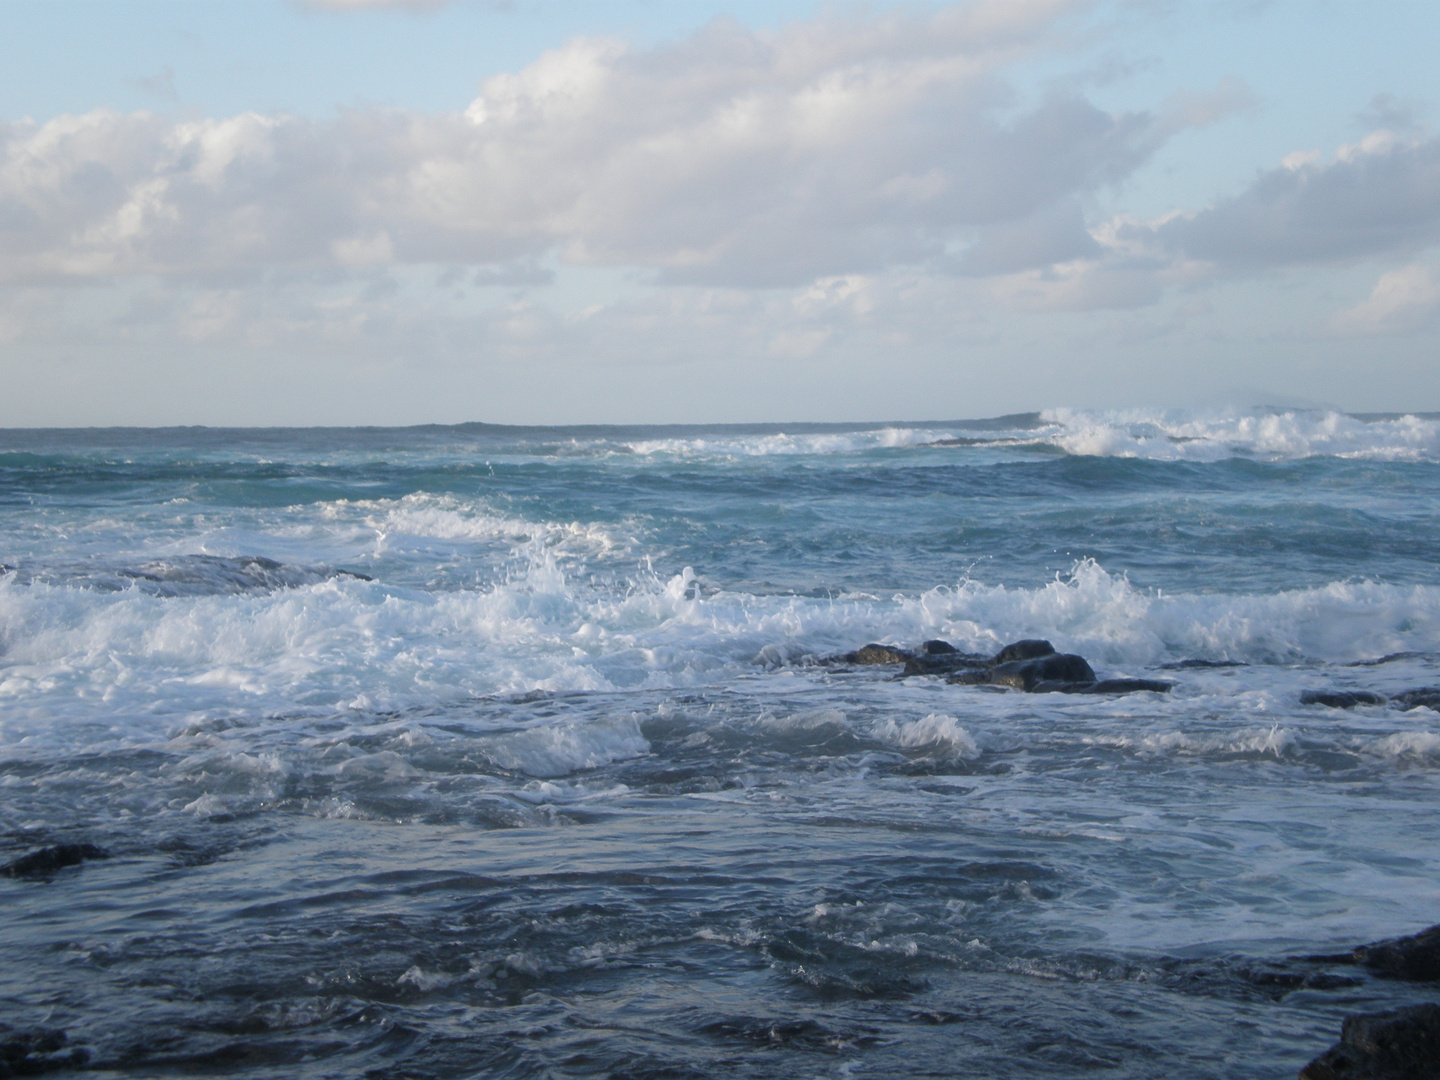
{"x": 534, "y": 752}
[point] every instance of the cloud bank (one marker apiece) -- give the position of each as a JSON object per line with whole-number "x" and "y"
{"x": 733, "y": 158}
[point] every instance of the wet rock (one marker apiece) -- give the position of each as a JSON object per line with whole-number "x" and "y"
{"x": 1182, "y": 665}
{"x": 945, "y": 663}
{"x": 42, "y": 1050}
{"x": 1342, "y": 699}
{"x": 1389, "y": 658}
{"x": 1026, "y": 674}
{"x": 1103, "y": 686}
{"x": 877, "y": 654}
{"x": 47, "y": 860}
{"x": 1427, "y": 696}
{"x": 1399, "y": 1045}
{"x": 942, "y": 658}
{"x": 1415, "y": 958}
{"x": 1029, "y": 649}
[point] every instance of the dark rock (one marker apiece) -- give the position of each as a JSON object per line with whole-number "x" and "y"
{"x": 1428, "y": 696}
{"x": 945, "y": 663}
{"x": 1415, "y": 958}
{"x": 1181, "y": 665}
{"x": 47, "y": 860}
{"x": 877, "y": 654}
{"x": 1342, "y": 699}
{"x": 937, "y": 648}
{"x": 1104, "y": 686}
{"x": 1388, "y": 658}
{"x": 30, "y": 1053}
{"x": 1399, "y": 1045}
{"x": 1025, "y": 674}
{"x": 1029, "y": 649}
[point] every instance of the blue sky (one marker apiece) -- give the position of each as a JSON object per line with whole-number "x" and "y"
{"x": 349, "y": 212}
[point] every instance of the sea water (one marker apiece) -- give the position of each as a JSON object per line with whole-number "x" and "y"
{"x": 526, "y": 752}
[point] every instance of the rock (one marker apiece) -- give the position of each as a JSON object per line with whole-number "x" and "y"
{"x": 944, "y": 663}
{"x": 937, "y": 648}
{"x": 30, "y": 1053}
{"x": 1029, "y": 649}
{"x": 1104, "y": 686}
{"x": 1389, "y": 658}
{"x": 1342, "y": 699}
{"x": 877, "y": 654}
{"x": 1025, "y": 674}
{"x": 1181, "y": 665}
{"x": 1399, "y": 1045}
{"x": 1427, "y": 696}
{"x": 47, "y": 860}
{"x": 1415, "y": 958}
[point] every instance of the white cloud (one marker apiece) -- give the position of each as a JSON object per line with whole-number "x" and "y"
{"x": 1402, "y": 300}
{"x": 835, "y": 146}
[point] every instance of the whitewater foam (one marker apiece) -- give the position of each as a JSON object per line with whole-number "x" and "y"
{"x": 341, "y": 640}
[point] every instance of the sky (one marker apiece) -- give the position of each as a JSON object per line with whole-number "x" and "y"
{"x": 296, "y": 212}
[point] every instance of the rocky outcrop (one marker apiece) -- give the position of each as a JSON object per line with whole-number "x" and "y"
{"x": 1031, "y": 665}
{"x": 1415, "y": 957}
{"x": 1028, "y": 649}
{"x": 1184, "y": 665}
{"x": 877, "y": 654}
{"x": 1399, "y": 1045}
{"x": 1424, "y": 696}
{"x": 1342, "y": 699}
{"x": 47, "y": 860}
{"x": 42, "y": 1050}
{"x": 1028, "y": 674}
{"x": 1428, "y": 696}
{"x": 945, "y": 663}
{"x": 1104, "y": 686}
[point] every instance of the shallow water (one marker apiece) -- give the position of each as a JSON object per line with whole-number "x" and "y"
{"x": 520, "y": 752}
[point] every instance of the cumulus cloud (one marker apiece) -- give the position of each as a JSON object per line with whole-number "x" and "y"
{"x": 1402, "y": 300}
{"x": 1379, "y": 196}
{"x": 834, "y": 146}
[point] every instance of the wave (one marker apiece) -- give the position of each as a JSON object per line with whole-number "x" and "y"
{"x": 1188, "y": 435}
{"x": 1153, "y": 434}
{"x": 348, "y": 643}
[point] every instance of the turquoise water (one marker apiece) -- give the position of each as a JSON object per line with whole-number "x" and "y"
{"x": 522, "y": 751}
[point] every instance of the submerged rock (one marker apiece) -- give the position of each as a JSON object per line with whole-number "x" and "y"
{"x": 1399, "y": 1045}
{"x": 1389, "y": 658}
{"x": 1104, "y": 686}
{"x": 1182, "y": 665}
{"x": 47, "y": 860}
{"x": 1342, "y": 699}
{"x": 1426, "y": 696}
{"x": 877, "y": 654}
{"x": 1415, "y": 957}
